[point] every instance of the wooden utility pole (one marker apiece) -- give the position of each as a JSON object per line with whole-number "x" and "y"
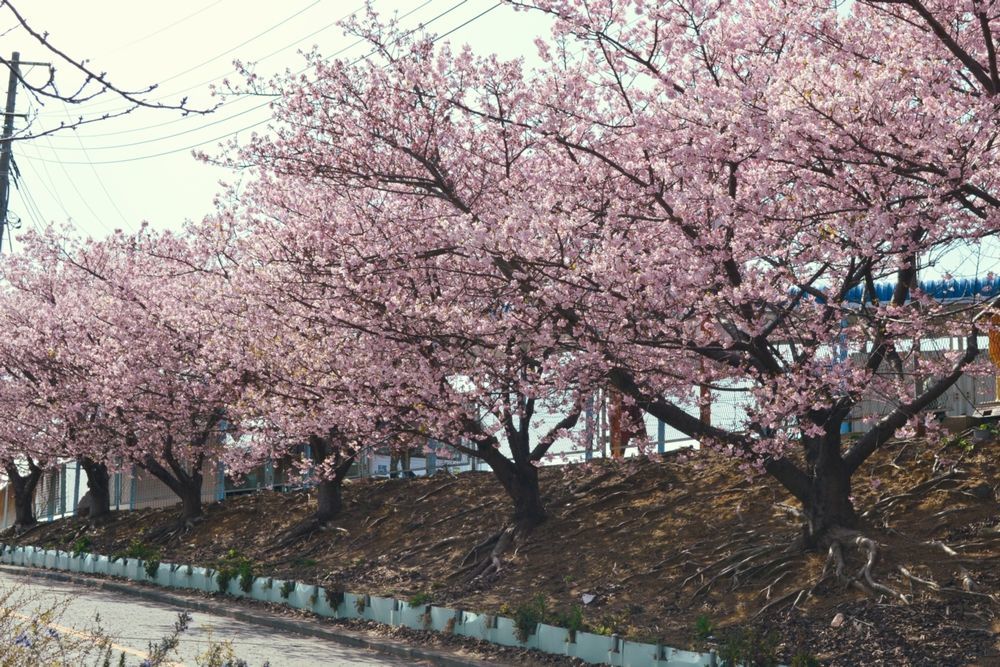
{"x": 6, "y": 139}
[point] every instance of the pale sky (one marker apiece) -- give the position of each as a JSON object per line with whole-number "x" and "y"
{"x": 122, "y": 171}
{"x": 119, "y": 172}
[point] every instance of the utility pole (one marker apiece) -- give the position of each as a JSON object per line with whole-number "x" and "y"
{"x": 5, "y": 148}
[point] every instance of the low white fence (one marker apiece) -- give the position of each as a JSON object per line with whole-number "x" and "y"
{"x": 592, "y": 648}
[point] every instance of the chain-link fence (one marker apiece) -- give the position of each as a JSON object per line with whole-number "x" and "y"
{"x": 62, "y": 487}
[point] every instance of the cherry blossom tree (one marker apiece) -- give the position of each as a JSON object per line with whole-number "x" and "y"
{"x": 681, "y": 195}
{"x": 43, "y": 390}
{"x": 771, "y": 162}
{"x": 151, "y": 385}
{"x": 332, "y": 369}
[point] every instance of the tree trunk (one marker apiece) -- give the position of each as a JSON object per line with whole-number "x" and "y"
{"x": 185, "y": 485}
{"x": 329, "y": 499}
{"x": 520, "y": 480}
{"x": 529, "y": 510}
{"x": 828, "y": 504}
{"x": 99, "y": 487}
{"x": 24, "y": 511}
{"x": 329, "y": 490}
{"x": 24, "y": 493}
{"x": 191, "y": 501}
{"x": 329, "y": 486}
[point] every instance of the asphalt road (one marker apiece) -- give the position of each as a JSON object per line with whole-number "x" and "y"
{"x": 135, "y": 623}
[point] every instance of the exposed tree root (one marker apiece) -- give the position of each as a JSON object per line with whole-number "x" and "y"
{"x": 731, "y": 564}
{"x": 835, "y": 567}
{"x": 435, "y": 491}
{"x": 409, "y": 553}
{"x": 478, "y": 564}
{"x": 603, "y": 500}
{"x": 377, "y": 522}
{"x": 584, "y": 489}
{"x": 167, "y": 532}
{"x": 865, "y": 573}
{"x": 793, "y": 512}
{"x": 627, "y": 522}
{"x": 20, "y": 529}
{"x": 656, "y": 567}
{"x": 966, "y": 591}
{"x": 297, "y": 533}
{"x": 917, "y": 491}
{"x": 796, "y": 593}
{"x": 473, "y": 555}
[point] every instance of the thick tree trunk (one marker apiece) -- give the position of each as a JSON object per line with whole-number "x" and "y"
{"x": 529, "y": 510}
{"x": 24, "y": 510}
{"x": 329, "y": 499}
{"x": 520, "y": 480}
{"x": 329, "y": 489}
{"x": 828, "y": 504}
{"x": 191, "y": 507}
{"x": 24, "y": 493}
{"x": 99, "y": 487}
{"x": 185, "y": 485}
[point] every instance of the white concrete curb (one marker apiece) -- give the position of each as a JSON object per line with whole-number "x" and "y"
{"x": 596, "y": 649}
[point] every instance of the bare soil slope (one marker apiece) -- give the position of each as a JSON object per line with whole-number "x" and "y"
{"x": 664, "y": 547}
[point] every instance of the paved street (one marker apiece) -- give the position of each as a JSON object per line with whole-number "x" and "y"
{"x": 135, "y": 622}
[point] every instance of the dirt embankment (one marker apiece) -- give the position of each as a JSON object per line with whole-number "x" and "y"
{"x": 687, "y": 552}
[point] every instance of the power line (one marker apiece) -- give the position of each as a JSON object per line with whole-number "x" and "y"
{"x": 264, "y": 104}
{"x": 245, "y": 42}
{"x": 53, "y": 193}
{"x": 272, "y": 28}
{"x": 168, "y": 26}
{"x": 181, "y": 133}
{"x": 72, "y": 182}
{"x": 237, "y": 98}
{"x": 31, "y": 206}
{"x": 100, "y": 182}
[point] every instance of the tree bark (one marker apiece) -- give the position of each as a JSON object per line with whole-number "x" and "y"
{"x": 24, "y": 493}
{"x": 99, "y": 487}
{"x": 191, "y": 507}
{"x": 828, "y": 504}
{"x": 520, "y": 480}
{"x": 329, "y": 489}
{"x": 185, "y": 485}
{"x": 519, "y": 474}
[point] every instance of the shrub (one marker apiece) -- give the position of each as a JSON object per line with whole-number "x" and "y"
{"x": 234, "y": 565}
{"x": 703, "y": 628}
{"x": 287, "y": 588}
{"x": 749, "y": 648}
{"x": 419, "y": 599}
{"x": 571, "y": 620}
{"x": 334, "y": 598}
{"x": 528, "y": 615}
{"x": 80, "y": 546}
{"x": 139, "y": 550}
